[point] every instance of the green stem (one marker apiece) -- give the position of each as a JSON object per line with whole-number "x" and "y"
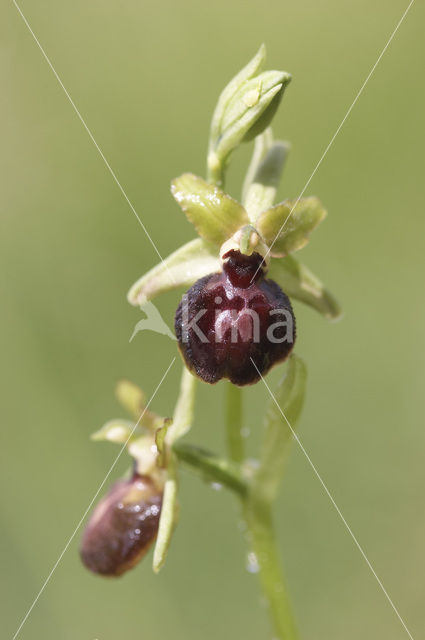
{"x": 212, "y": 468}
{"x": 262, "y": 542}
{"x": 260, "y": 531}
{"x": 215, "y": 170}
{"x": 235, "y": 442}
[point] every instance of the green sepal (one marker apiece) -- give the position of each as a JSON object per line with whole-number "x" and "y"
{"x": 298, "y": 282}
{"x": 118, "y": 431}
{"x": 289, "y": 396}
{"x": 287, "y": 226}
{"x": 131, "y": 397}
{"x": 181, "y": 269}
{"x": 214, "y": 214}
{"x": 264, "y": 174}
{"x": 138, "y": 441}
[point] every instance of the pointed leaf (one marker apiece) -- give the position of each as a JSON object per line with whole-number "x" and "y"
{"x": 298, "y": 282}
{"x": 287, "y": 226}
{"x": 281, "y": 418}
{"x": 181, "y": 269}
{"x": 215, "y": 215}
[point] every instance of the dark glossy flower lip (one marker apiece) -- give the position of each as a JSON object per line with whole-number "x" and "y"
{"x": 122, "y": 528}
{"x": 227, "y": 321}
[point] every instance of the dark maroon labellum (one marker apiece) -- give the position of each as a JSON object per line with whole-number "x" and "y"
{"x": 228, "y": 321}
{"x": 123, "y": 526}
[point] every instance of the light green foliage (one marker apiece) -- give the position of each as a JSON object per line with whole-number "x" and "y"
{"x": 214, "y": 214}
{"x": 287, "y": 226}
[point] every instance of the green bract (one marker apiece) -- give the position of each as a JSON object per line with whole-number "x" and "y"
{"x": 214, "y": 214}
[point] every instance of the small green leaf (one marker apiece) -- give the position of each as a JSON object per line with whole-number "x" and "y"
{"x": 168, "y": 518}
{"x": 215, "y": 215}
{"x": 264, "y": 174}
{"x": 181, "y": 269}
{"x": 118, "y": 431}
{"x": 281, "y": 418}
{"x": 132, "y": 398}
{"x": 298, "y": 282}
{"x": 287, "y": 226}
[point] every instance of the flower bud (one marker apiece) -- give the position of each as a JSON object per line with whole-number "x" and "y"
{"x": 244, "y": 110}
{"x": 236, "y": 324}
{"x": 123, "y": 526}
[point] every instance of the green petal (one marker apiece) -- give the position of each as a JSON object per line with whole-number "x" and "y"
{"x": 215, "y": 215}
{"x": 287, "y": 226}
{"x": 298, "y": 282}
{"x": 181, "y": 269}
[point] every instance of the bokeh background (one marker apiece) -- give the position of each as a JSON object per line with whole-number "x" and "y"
{"x": 146, "y": 76}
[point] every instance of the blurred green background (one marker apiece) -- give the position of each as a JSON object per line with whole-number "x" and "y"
{"x": 146, "y": 76}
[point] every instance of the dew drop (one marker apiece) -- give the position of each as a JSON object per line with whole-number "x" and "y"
{"x": 216, "y": 486}
{"x": 252, "y": 565}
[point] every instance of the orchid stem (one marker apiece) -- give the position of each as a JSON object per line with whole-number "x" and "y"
{"x": 257, "y": 512}
{"x": 235, "y": 442}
